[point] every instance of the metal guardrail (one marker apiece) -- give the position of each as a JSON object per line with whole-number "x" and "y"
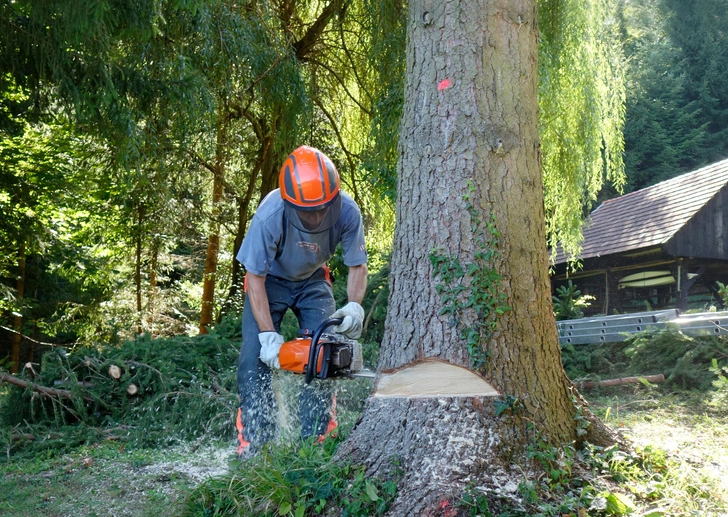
{"x": 610, "y": 329}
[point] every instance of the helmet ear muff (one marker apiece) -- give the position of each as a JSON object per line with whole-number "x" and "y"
{"x": 308, "y": 180}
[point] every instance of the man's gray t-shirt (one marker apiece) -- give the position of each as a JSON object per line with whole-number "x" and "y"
{"x": 295, "y": 255}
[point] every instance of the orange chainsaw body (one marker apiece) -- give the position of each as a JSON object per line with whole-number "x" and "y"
{"x": 332, "y": 355}
{"x": 294, "y": 355}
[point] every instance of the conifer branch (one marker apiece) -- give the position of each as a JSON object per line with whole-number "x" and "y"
{"x": 27, "y": 337}
{"x": 43, "y": 390}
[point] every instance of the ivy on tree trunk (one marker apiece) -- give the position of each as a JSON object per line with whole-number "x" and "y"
{"x": 469, "y": 180}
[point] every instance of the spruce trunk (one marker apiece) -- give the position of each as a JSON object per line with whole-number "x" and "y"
{"x": 470, "y": 197}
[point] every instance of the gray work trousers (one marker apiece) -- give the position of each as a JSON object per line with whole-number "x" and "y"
{"x": 312, "y": 302}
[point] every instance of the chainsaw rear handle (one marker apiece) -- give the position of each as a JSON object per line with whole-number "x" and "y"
{"x": 315, "y": 347}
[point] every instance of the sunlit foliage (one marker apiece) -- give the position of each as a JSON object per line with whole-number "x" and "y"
{"x": 581, "y": 104}
{"x": 180, "y": 114}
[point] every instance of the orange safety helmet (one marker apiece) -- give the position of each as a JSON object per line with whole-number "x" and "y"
{"x": 309, "y": 182}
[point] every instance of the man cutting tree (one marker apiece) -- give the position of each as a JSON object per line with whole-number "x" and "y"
{"x": 293, "y": 234}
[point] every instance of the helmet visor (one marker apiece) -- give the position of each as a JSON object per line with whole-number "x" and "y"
{"x": 314, "y": 221}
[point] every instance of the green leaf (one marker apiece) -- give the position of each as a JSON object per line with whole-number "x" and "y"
{"x": 619, "y": 504}
{"x": 284, "y": 508}
{"x": 372, "y": 491}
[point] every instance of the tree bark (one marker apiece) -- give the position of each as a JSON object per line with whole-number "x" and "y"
{"x": 141, "y": 216}
{"x": 244, "y": 215}
{"x": 469, "y": 155}
{"x": 272, "y": 161}
{"x": 213, "y": 240}
{"x": 152, "y": 296}
{"x": 17, "y": 316}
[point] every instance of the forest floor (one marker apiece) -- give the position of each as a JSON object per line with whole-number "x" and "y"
{"x": 108, "y": 479}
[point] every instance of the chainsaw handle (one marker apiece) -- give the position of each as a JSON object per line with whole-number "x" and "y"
{"x": 314, "y": 349}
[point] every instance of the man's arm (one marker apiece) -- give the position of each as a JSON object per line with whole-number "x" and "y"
{"x": 356, "y": 285}
{"x": 258, "y": 299}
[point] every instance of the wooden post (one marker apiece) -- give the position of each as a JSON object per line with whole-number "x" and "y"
{"x": 682, "y": 292}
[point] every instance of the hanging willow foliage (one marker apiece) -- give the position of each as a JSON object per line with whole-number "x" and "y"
{"x": 581, "y": 103}
{"x": 385, "y": 26}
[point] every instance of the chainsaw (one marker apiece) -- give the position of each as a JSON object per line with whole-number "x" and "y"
{"x": 332, "y": 354}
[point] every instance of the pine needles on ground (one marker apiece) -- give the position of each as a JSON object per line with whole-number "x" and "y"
{"x": 685, "y": 361}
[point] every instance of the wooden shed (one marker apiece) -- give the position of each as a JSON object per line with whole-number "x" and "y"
{"x": 664, "y": 246}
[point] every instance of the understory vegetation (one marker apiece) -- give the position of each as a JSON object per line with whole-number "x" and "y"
{"x": 136, "y": 138}
{"x": 167, "y": 448}
{"x": 686, "y": 362}
{"x": 146, "y": 428}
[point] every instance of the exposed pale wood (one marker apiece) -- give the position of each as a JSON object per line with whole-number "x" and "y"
{"x": 115, "y": 371}
{"x": 622, "y": 380}
{"x": 433, "y": 379}
{"x": 132, "y": 389}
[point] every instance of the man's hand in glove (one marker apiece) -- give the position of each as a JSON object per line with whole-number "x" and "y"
{"x": 270, "y": 345}
{"x": 353, "y": 315}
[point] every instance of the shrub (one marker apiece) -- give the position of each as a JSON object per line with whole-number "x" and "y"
{"x": 300, "y": 479}
{"x": 569, "y": 302}
{"x": 685, "y": 361}
{"x": 720, "y": 397}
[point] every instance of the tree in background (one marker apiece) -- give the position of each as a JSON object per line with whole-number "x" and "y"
{"x": 677, "y": 107}
{"x": 80, "y": 72}
{"x": 184, "y": 112}
{"x": 191, "y": 110}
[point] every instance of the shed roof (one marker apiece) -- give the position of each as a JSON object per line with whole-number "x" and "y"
{"x": 651, "y": 216}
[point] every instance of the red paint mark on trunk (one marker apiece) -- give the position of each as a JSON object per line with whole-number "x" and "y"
{"x": 445, "y": 83}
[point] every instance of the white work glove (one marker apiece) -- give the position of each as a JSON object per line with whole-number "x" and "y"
{"x": 353, "y": 315}
{"x": 270, "y": 345}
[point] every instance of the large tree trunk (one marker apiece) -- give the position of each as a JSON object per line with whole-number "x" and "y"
{"x": 469, "y": 155}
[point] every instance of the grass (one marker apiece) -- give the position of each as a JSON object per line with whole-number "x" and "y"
{"x": 679, "y": 468}
{"x": 685, "y": 436}
{"x": 105, "y": 479}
